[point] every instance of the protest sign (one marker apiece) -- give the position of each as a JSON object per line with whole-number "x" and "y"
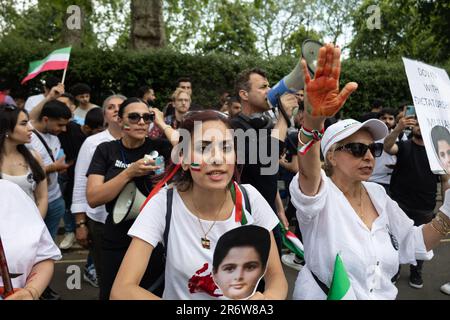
{"x": 430, "y": 90}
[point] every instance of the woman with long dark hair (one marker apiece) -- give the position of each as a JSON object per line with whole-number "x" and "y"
{"x": 205, "y": 203}
{"x": 17, "y": 163}
{"x": 114, "y": 165}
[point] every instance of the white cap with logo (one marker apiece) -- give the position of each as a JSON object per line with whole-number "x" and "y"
{"x": 345, "y": 128}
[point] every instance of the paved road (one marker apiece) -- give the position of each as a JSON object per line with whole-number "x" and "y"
{"x": 436, "y": 272}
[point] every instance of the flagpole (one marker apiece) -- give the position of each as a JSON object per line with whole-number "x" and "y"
{"x": 4, "y": 272}
{"x": 64, "y": 76}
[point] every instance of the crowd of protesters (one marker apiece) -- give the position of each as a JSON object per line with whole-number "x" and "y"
{"x": 363, "y": 189}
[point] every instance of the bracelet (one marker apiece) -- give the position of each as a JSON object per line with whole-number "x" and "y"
{"x": 441, "y": 232}
{"x": 300, "y": 142}
{"x": 314, "y": 134}
{"x": 167, "y": 127}
{"x": 35, "y": 297}
{"x": 442, "y": 222}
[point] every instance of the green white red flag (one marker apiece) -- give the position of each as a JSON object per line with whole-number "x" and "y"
{"x": 57, "y": 60}
{"x": 291, "y": 242}
{"x": 341, "y": 287}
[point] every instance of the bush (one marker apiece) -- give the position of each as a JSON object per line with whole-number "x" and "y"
{"x": 124, "y": 71}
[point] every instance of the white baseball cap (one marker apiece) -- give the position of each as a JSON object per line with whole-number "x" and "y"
{"x": 345, "y": 128}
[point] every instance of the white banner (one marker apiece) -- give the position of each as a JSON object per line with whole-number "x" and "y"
{"x": 430, "y": 90}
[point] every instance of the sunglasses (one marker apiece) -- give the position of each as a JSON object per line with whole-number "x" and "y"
{"x": 358, "y": 149}
{"x": 135, "y": 117}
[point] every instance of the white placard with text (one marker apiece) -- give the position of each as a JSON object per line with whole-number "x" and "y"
{"x": 430, "y": 90}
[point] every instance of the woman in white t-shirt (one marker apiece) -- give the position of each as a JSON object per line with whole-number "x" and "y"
{"x": 29, "y": 249}
{"x": 339, "y": 212}
{"x": 203, "y": 209}
{"x": 17, "y": 163}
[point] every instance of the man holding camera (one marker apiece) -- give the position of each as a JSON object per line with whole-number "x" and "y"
{"x": 252, "y": 88}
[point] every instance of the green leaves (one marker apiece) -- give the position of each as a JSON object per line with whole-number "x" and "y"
{"x": 413, "y": 28}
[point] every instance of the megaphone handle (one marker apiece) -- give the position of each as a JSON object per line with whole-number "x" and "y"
{"x": 283, "y": 112}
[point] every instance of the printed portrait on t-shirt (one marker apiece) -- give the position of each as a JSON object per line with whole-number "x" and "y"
{"x": 440, "y": 136}
{"x": 240, "y": 261}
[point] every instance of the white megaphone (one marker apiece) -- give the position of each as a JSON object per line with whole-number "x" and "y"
{"x": 128, "y": 203}
{"x": 295, "y": 80}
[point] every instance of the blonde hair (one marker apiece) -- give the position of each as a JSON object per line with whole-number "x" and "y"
{"x": 327, "y": 166}
{"x": 177, "y": 93}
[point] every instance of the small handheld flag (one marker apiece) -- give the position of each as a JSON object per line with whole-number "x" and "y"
{"x": 341, "y": 287}
{"x": 291, "y": 241}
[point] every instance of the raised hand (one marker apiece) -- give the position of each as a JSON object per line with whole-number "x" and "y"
{"x": 322, "y": 96}
{"x": 159, "y": 117}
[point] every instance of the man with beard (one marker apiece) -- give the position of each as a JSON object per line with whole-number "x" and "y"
{"x": 251, "y": 87}
{"x": 147, "y": 94}
{"x": 382, "y": 172}
{"x": 413, "y": 185}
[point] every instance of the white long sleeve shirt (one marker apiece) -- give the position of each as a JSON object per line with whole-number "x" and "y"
{"x": 329, "y": 225}
{"x": 79, "y": 200}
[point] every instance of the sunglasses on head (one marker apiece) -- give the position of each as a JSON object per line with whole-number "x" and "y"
{"x": 358, "y": 149}
{"x": 135, "y": 117}
{"x": 8, "y": 107}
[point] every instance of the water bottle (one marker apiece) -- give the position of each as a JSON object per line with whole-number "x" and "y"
{"x": 159, "y": 161}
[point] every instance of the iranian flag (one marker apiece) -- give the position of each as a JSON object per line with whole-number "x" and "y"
{"x": 291, "y": 241}
{"x": 341, "y": 288}
{"x": 57, "y": 60}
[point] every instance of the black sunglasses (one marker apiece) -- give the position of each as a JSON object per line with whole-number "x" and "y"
{"x": 135, "y": 117}
{"x": 358, "y": 149}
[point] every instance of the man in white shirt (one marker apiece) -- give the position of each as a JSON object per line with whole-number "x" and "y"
{"x": 53, "y": 120}
{"x": 384, "y": 165}
{"x": 90, "y": 221}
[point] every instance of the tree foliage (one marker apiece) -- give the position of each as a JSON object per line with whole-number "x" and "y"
{"x": 232, "y": 33}
{"x": 295, "y": 40}
{"x": 414, "y": 28}
{"x": 124, "y": 71}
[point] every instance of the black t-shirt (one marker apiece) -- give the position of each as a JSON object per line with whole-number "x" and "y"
{"x": 290, "y": 150}
{"x": 109, "y": 160}
{"x": 71, "y": 142}
{"x": 267, "y": 185}
{"x": 291, "y": 144}
{"x": 413, "y": 184}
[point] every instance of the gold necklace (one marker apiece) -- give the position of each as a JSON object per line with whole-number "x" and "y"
{"x": 206, "y": 243}
{"x": 360, "y": 205}
{"x": 361, "y": 215}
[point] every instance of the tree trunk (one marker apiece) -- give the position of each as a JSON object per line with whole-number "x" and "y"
{"x": 147, "y": 24}
{"x": 73, "y": 24}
